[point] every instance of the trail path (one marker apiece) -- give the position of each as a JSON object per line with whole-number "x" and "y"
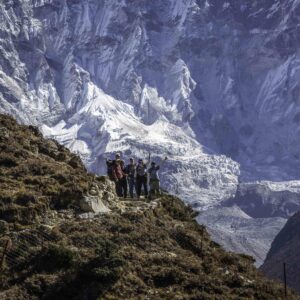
{"x": 138, "y": 205}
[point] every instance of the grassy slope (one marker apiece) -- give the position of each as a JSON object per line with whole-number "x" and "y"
{"x": 159, "y": 253}
{"x": 36, "y": 173}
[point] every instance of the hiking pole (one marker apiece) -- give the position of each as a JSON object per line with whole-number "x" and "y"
{"x": 149, "y": 159}
{"x": 202, "y": 241}
{"x": 164, "y": 160}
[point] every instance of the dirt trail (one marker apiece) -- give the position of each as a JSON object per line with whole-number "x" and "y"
{"x": 138, "y": 205}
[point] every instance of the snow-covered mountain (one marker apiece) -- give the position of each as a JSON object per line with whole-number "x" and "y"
{"x": 214, "y": 85}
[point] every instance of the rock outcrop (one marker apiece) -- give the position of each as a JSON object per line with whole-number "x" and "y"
{"x": 93, "y": 204}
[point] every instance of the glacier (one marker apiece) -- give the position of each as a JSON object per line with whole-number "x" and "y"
{"x": 213, "y": 85}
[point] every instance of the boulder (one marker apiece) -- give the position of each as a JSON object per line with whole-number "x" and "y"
{"x": 86, "y": 216}
{"x": 93, "y": 204}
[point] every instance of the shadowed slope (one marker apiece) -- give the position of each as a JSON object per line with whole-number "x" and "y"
{"x": 285, "y": 249}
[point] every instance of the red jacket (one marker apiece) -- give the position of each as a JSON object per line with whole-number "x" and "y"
{"x": 117, "y": 172}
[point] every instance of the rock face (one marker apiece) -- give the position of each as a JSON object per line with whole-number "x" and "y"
{"x": 214, "y": 72}
{"x": 139, "y": 77}
{"x": 209, "y": 75}
{"x": 285, "y": 249}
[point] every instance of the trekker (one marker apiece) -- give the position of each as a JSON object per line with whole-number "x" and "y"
{"x": 124, "y": 180}
{"x": 118, "y": 175}
{"x": 130, "y": 171}
{"x": 109, "y": 165}
{"x": 141, "y": 178}
{"x": 154, "y": 180}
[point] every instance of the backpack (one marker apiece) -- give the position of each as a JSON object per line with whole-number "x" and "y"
{"x": 153, "y": 173}
{"x": 109, "y": 165}
{"x": 141, "y": 170}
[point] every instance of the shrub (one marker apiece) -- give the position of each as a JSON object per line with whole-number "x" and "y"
{"x": 107, "y": 265}
{"x": 167, "y": 277}
{"x": 229, "y": 260}
{"x": 25, "y": 199}
{"x": 8, "y": 161}
{"x": 56, "y": 257}
{"x": 177, "y": 209}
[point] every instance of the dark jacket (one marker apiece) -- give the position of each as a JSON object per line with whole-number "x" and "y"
{"x": 141, "y": 170}
{"x": 153, "y": 173}
{"x": 130, "y": 170}
{"x": 110, "y": 165}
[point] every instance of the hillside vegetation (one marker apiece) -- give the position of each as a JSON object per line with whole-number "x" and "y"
{"x": 137, "y": 250}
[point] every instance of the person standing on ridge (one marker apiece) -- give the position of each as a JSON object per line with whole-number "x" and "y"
{"x": 124, "y": 179}
{"x": 154, "y": 181}
{"x": 118, "y": 175}
{"x": 109, "y": 166}
{"x": 141, "y": 177}
{"x": 130, "y": 170}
